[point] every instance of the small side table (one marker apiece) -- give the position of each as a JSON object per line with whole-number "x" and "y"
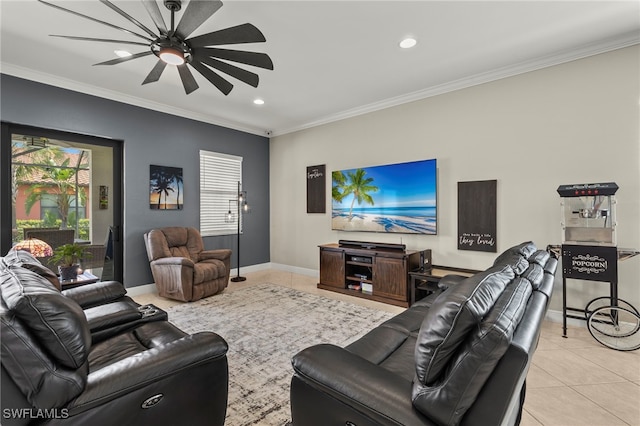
{"x": 428, "y": 279}
{"x": 85, "y": 278}
{"x": 422, "y": 279}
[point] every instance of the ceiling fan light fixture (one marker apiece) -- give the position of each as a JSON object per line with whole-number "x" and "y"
{"x": 171, "y": 56}
{"x": 258, "y": 101}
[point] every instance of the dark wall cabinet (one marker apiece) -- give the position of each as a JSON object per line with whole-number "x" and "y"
{"x": 377, "y": 273}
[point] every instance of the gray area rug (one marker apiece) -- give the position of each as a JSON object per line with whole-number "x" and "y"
{"x": 265, "y": 325}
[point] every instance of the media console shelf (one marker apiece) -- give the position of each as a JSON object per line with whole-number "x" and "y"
{"x": 376, "y": 271}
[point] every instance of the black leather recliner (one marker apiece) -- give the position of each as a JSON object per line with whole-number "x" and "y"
{"x": 458, "y": 357}
{"x": 111, "y": 363}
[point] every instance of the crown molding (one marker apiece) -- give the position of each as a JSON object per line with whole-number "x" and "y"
{"x": 604, "y": 46}
{"x": 593, "y": 49}
{"x": 52, "y": 80}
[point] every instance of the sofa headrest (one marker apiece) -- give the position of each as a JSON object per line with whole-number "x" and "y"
{"x": 28, "y": 261}
{"x": 57, "y": 322}
{"x": 516, "y": 262}
{"x": 524, "y": 249}
{"x": 540, "y": 257}
{"x": 534, "y": 274}
{"x": 452, "y": 315}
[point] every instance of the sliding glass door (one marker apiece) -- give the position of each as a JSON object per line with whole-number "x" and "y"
{"x": 63, "y": 187}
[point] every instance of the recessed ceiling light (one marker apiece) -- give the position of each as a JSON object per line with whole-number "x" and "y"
{"x": 258, "y": 101}
{"x": 408, "y": 43}
{"x": 122, "y": 53}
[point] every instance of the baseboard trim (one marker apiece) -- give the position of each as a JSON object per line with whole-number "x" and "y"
{"x": 250, "y": 268}
{"x": 296, "y": 270}
{"x": 141, "y": 289}
{"x": 556, "y": 316}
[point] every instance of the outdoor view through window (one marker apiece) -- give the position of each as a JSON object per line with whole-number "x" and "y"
{"x": 50, "y": 186}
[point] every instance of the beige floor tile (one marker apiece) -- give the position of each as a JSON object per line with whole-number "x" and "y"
{"x": 564, "y": 406}
{"x": 538, "y": 378}
{"x": 572, "y": 369}
{"x": 577, "y": 337}
{"x": 529, "y": 420}
{"x": 153, "y": 298}
{"x": 625, "y": 364}
{"x": 545, "y": 343}
{"x": 620, "y": 399}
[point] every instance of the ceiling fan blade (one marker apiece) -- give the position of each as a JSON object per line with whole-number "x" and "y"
{"x": 245, "y": 33}
{"x": 256, "y": 59}
{"x": 154, "y": 12}
{"x": 248, "y": 77}
{"x": 129, "y": 18}
{"x": 156, "y": 72}
{"x": 197, "y": 12}
{"x": 188, "y": 81}
{"x": 125, "y": 59}
{"x": 223, "y": 85}
{"x": 96, "y": 20}
{"x": 103, "y": 40}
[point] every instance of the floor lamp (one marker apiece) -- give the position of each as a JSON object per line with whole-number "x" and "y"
{"x": 242, "y": 207}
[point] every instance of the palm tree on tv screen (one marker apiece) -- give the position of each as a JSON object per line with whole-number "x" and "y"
{"x": 339, "y": 182}
{"x": 360, "y": 186}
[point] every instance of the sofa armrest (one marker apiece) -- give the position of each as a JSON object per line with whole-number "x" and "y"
{"x": 220, "y": 254}
{"x": 149, "y": 368}
{"x": 450, "y": 280}
{"x": 97, "y": 293}
{"x": 366, "y": 387}
{"x": 111, "y": 314}
{"x": 170, "y": 261}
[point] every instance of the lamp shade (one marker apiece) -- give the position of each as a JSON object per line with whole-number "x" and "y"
{"x": 36, "y": 247}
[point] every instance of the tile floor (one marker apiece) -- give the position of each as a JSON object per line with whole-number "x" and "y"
{"x": 572, "y": 381}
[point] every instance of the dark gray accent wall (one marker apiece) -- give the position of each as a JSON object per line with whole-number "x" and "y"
{"x": 151, "y": 137}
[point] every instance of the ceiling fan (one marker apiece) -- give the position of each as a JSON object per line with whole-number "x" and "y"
{"x": 172, "y": 46}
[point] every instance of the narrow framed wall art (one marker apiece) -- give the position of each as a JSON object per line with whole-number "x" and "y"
{"x": 316, "y": 188}
{"x": 477, "y": 205}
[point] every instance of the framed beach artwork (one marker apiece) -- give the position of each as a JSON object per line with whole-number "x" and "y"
{"x": 394, "y": 198}
{"x": 166, "y": 189}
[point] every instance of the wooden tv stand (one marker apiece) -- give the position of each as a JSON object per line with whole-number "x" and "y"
{"x": 384, "y": 267}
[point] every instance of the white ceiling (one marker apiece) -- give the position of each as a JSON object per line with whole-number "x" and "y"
{"x": 332, "y": 59}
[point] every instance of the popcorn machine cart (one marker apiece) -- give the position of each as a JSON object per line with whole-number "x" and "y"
{"x": 589, "y": 253}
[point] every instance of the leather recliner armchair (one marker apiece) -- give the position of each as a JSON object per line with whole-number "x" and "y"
{"x": 61, "y": 364}
{"x": 182, "y": 269}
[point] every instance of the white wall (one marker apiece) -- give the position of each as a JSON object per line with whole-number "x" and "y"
{"x": 573, "y": 123}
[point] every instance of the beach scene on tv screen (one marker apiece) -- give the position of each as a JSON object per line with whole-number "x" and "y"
{"x": 390, "y": 198}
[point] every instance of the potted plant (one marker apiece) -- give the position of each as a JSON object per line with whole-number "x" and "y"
{"x": 67, "y": 256}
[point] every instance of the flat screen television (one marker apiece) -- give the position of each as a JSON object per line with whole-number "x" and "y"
{"x": 394, "y": 198}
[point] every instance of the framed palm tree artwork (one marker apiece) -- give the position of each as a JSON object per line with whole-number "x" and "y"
{"x": 166, "y": 189}
{"x": 392, "y": 198}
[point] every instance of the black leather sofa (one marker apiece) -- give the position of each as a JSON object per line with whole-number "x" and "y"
{"x": 459, "y": 356}
{"x": 92, "y": 356}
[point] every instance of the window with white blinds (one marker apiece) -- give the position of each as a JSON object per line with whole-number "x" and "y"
{"x": 219, "y": 177}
